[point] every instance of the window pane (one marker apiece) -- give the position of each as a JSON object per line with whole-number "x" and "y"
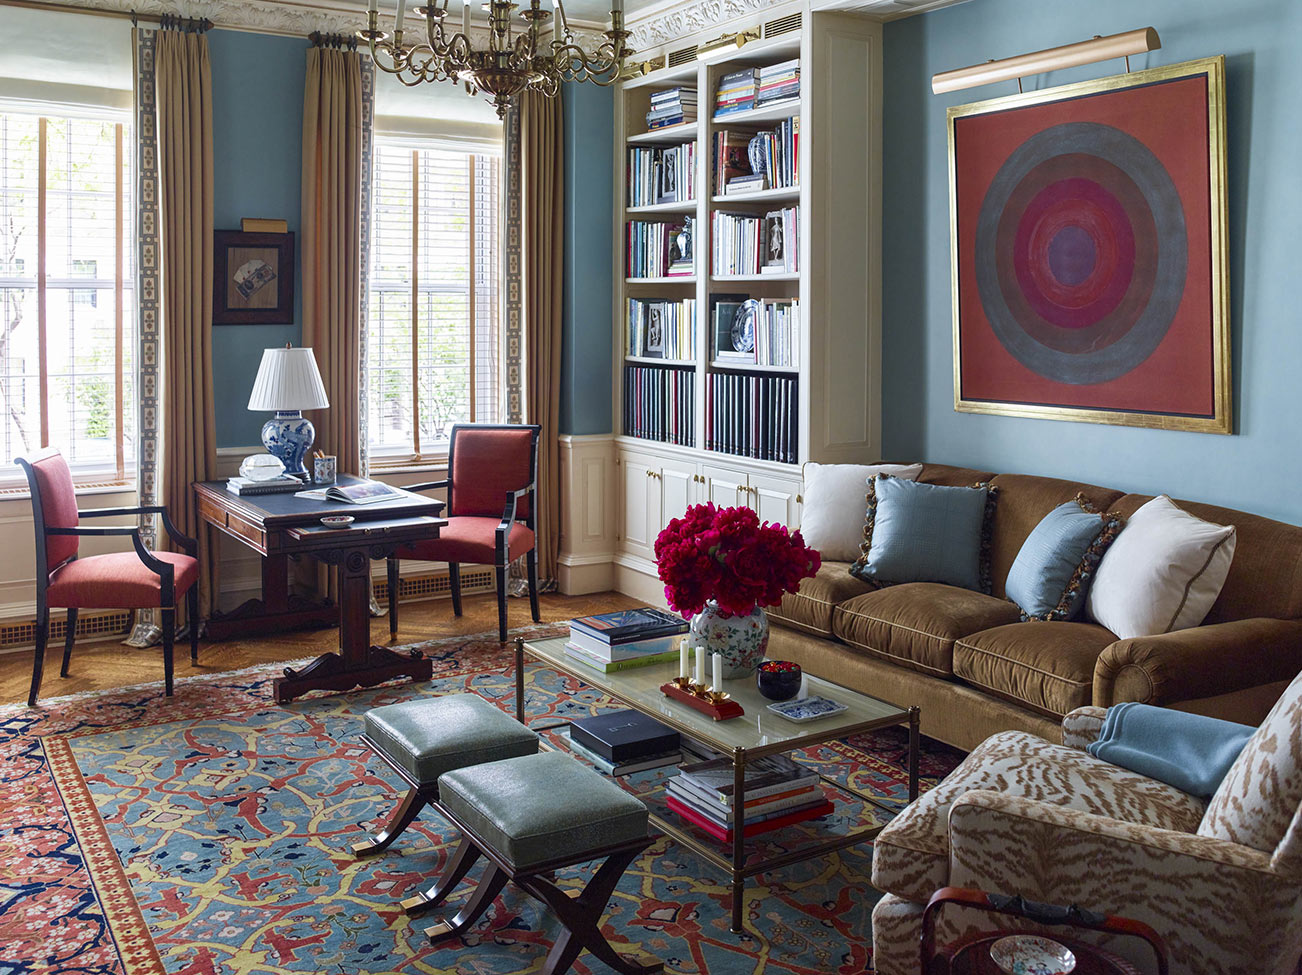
{"x": 455, "y": 270}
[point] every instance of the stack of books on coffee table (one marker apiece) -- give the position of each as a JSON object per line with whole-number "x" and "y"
{"x": 624, "y": 639}
{"x": 624, "y": 741}
{"x": 779, "y": 792}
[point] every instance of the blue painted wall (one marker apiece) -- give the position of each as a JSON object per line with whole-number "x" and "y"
{"x": 257, "y": 84}
{"x": 1256, "y": 469}
{"x": 589, "y": 123}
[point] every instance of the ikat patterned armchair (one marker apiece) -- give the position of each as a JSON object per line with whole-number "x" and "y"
{"x": 1221, "y": 882}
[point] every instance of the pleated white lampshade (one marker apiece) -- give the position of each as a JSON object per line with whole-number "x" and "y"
{"x": 288, "y": 379}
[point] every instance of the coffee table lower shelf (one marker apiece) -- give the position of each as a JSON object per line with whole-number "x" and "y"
{"x": 742, "y": 858}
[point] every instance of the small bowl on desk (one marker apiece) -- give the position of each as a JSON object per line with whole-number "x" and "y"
{"x": 778, "y": 680}
{"x": 337, "y": 521}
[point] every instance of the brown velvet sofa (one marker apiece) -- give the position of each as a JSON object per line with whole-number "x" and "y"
{"x": 975, "y": 670}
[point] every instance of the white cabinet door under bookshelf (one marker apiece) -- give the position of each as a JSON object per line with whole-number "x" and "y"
{"x": 724, "y": 487}
{"x": 677, "y": 490}
{"x": 775, "y": 499}
{"x": 639, "y": 496}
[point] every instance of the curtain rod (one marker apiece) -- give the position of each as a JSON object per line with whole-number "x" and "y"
{"x": 136, "y": 16}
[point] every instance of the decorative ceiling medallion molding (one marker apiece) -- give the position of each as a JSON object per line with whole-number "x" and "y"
{"x": 675, "y": 21}
{"x": 298, "y": 19}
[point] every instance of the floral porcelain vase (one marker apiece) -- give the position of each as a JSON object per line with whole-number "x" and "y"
{"x": 740, "y": 640}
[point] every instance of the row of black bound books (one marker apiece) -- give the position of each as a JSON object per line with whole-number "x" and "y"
{"x": 660, "y": 404}
{"x": 752, "y": 416}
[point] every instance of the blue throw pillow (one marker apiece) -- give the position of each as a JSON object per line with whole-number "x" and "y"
{"x": 1053, "y": 568}
{"x": 924, "y": 533}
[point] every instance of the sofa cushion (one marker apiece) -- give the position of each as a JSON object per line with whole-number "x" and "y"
{"x": 952, "y": 476}
{"x": 922, "y": 533}
{"x": 915, "y": 624}
{"x": 1055, "y": 564}
{"x": 810, "y": 607}
{"x": 1023, "y": 501}
{"x": 1048, "y": 667}
{"x": 836, "y": 502}
{"x": 911, "y": 855}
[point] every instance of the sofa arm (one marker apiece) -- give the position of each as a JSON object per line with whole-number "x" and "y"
{"x": 1202, "y": 661}
{"x": 1083, "y": 726}
{"x": 1219, "y": 906}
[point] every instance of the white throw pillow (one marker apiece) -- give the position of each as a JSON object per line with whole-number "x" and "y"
{"x": 1163, "y": 572}
{"x": 836, "y": 504}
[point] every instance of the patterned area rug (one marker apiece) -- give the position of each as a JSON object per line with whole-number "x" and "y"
{"x": 209, "y": 833}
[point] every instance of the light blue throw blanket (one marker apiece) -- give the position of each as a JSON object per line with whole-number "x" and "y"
{"x": 1189, "y": 751}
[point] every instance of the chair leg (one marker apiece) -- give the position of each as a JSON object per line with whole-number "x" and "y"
{"x": 454, "y": 579}
{"x": 490, "y": 885}
{"x": 501, "y": 603}
{"x": 463, "y": 858}
{"x": 531, "y": 564}
{"x": 192, "y": 612}
{"x": 38, "y": 661}
{"x": 69, "y": 638}
{"x": 169, "y": 638}
{"x": 410, "y": 807}
{"x": 392, "y": 572}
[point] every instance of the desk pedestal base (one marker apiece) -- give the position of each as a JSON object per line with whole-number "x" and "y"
{"x": 331, "y": 672}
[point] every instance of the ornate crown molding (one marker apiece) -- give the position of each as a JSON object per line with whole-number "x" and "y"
{"x": 665, "y": 23}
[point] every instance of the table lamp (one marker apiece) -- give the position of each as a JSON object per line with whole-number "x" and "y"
{"x": 288, "y": 382}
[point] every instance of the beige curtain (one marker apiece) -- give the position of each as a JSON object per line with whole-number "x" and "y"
{"x": 189, "y": 441}
{"x": 542, "y": 167}
{"x": 332, "y": 244}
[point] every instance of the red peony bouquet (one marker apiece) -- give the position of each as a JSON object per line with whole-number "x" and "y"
{"x": 725, "y": 554}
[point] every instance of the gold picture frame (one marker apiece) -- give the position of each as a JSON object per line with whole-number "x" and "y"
{"x": 1002, "y": 340}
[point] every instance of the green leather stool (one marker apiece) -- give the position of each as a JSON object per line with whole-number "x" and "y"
{"x": 420, "y": 740}
{"x": 529, "y": 817}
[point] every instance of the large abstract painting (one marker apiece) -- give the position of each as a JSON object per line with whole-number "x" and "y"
{"x": 1089, "y": 258}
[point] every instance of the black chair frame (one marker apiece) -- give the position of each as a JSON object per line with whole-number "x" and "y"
{"x": 503, "y": 532}
{"x": 165, "y": 571}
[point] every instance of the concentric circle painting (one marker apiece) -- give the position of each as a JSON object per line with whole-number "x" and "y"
{"x": 1090, "y": 272}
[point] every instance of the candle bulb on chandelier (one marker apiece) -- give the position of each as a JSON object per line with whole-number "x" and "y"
{"x": 616, "y": 6}
{"x": 372, "y": 6}
{"x": 465, "y": 18}
{"x": 402, "y": 12}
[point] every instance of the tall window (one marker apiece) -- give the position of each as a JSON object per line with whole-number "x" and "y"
{"x": 435, "y": 322}
{"x": 67, "y": 308}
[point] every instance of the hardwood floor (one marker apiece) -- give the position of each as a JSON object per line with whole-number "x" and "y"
{"x": 109, "y": 665}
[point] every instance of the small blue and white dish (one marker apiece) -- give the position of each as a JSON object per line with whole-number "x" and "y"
{"x": 807, "y": 709}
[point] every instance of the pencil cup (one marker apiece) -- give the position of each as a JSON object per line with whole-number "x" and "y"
{"x": 323, "y": 469}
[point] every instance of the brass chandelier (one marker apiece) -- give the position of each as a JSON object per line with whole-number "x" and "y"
{"x": 519, "y": 57}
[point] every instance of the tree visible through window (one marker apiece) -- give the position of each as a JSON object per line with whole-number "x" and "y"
{"x": 67, "y": 306}
{"x": 434, "y": 347}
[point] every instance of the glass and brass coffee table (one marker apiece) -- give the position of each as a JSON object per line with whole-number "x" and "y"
{"x": 755, "y": 734}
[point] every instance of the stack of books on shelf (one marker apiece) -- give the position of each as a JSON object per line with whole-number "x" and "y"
{"x": 778, "y": 792}
{"x": 746, "y": 243}
{"x": 778, "y": 83}
{"x": 625, "y": 638}
{"x": 751, "y": 416}
{"x": 737, "y": 92}
{"x": 673, "y": 106}
{"x": 776, "y": 339}
{"x": 660, "y": 404}
{"x": 660, "y": 329}
{"x": 661, "y": 174}
{"x": 731, "y": 159}
{"x": 624, "y": 741}
{"x": 656, "y": 249}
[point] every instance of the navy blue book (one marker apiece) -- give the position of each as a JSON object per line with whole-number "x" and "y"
{"x": 630, "y": 625}
{"x": 623, "y": 736}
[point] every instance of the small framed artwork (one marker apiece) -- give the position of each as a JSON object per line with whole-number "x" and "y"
{"x": 775, "y": 242}
{"x": 253, "y": 278}
{"x": 1090, "y": 255}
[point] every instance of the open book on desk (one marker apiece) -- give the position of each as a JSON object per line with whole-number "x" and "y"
{"x": 366, "y": 492}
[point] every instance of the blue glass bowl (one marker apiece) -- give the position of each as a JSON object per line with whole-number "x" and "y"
{"x": 778, "y": 680}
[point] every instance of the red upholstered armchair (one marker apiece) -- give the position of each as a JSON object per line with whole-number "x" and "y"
{"x": 122, "y": 580}
{"x": 491, "y": 473}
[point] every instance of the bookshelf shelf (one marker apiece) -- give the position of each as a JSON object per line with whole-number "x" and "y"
{"x": 774, "y": 112}
{"x": 826, "y": 316}
{"x": 684, "y": 206}
{"x": 670, "y": 134}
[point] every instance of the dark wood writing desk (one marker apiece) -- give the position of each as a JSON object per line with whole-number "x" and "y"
{"x": 280, "y": 525}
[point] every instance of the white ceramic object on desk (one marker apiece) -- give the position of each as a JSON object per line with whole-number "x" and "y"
{"x": 337, "y": 521}
{"x": 261, "y": 467}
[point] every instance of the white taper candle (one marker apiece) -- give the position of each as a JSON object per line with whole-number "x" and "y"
{"x": 372, "y": 6}
{"x": 717, "y": 660}
{"x": 465, "y": 18}
{"x": 402, "y": 13}
{"x": 700, "y": 666}
{"x": 684, "y": 660}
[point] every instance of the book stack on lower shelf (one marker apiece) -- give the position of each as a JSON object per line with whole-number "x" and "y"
{"x": 660, "y": 404}
{"x": 624, "y": 741}
{"x": 625, "y": 639}
{"x": 778, "y": 792}
{"x": 751, "y": 416}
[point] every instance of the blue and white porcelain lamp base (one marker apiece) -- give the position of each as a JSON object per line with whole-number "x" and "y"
{"x": 289, "y": 436}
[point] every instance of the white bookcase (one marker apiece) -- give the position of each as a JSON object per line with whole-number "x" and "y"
{"x": 838, "y": 397}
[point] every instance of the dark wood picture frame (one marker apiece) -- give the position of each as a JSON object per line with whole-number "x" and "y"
{"x": 229, "y": 305}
